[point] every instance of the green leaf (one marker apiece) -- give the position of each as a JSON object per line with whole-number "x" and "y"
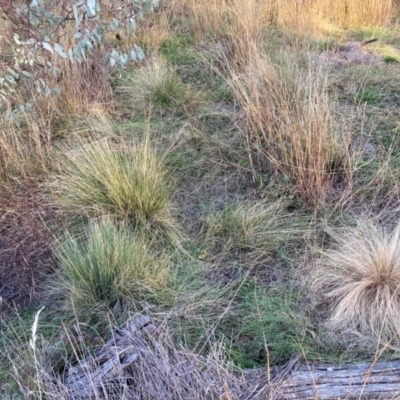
{"x": 76, "y": 14}
{"x": 140, "y": 53}
{"x": 132, "y": 23}
{"x": 123, "y": 58}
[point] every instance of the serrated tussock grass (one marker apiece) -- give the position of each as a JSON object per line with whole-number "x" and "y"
{"x": 359, "y": 280}
{"x": 109, "y": 267}
{"x": 125, "y": 181}
{"x": 258, "y": 227}
{"x": 157, "y": 85}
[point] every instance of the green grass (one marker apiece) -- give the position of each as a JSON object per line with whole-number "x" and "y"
{"x": 366, "y": 95}
{"x": 20, "y": 357}
{"x": 110, "y": 268}
{"x": 272, "y": 327}
{"x": 259, "y": 228}
{"x": 178, "y": 50}
{"x": 391, "y": 59}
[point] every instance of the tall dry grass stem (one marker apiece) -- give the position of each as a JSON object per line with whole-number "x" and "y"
{"x": 250, "y": 17}
{"x": 289, "y": 120}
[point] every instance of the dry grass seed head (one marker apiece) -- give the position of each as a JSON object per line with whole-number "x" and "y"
{"x": 360, "y": 279}
{"x": 247, "y": 18}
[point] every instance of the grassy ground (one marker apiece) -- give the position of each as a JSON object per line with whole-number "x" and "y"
{"x": 240, "y": 185}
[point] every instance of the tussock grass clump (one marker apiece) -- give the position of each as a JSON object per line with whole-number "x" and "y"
{"x": 157, "y": 85}
{"x": 289, "y": 120}
{"x": 109, "y": 267}
{"x": 360, "y": 279}
{"x": 126, "y": 181}
{"x": 255, "y": 226}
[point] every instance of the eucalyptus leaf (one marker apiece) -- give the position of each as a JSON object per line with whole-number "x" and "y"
{"x": 47, "y": 46}
{"x": 91, "y": 5}
{"x": 58, "y": 48}
{"x": 70, "y": 55}
{"x": 16, "y": 119}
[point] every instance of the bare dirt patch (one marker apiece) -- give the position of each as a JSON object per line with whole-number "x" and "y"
{"x": 351, "y": 53}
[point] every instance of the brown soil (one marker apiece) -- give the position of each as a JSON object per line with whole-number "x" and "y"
{"x": 25, "y": 245}
{"x": 351, "y": 53}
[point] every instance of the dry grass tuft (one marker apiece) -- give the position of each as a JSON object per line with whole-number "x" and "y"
{"x": 360, "y": 279}
{"x": 25, "y": 151}
{"x": 289, "y": 120}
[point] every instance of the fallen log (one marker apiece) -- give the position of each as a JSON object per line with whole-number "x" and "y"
{"x": 86, "y": 380}
{"x": 140, "y": 362}
{"x": 379, "y": 380}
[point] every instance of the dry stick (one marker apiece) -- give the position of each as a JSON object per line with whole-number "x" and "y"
{"x": 369, "y": 41}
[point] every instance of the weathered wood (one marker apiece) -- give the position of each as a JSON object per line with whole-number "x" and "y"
{"x": 86, "y": 379}
{"x": 139, "y": 352}
{"x": 359, "y": 381}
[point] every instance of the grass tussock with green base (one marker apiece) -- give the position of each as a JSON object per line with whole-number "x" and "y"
{"x": 126, "y": 181}
{"x": 110, "y": 267}
{"x": 359, "y": 278}
{"x": 157, "y": 85}
{"x": 260, "y": 227}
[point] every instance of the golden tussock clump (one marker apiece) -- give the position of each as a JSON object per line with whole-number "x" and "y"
{"x": 360, "y": 279}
